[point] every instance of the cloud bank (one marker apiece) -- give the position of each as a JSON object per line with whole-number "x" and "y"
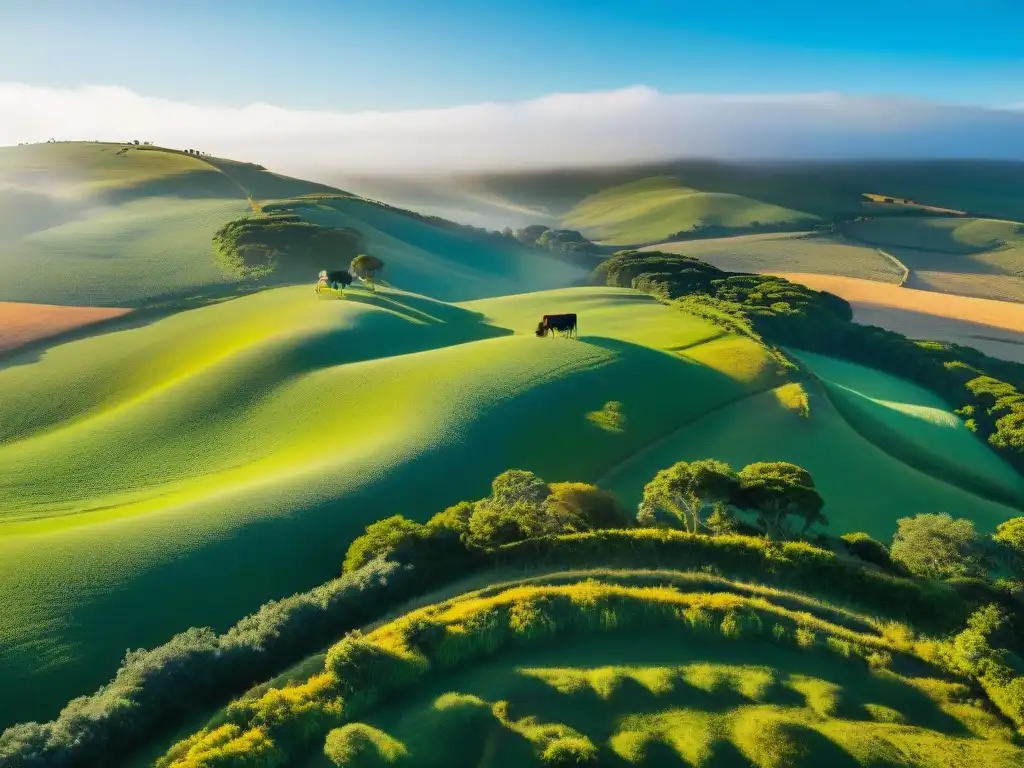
{"x": 636, "y": 124}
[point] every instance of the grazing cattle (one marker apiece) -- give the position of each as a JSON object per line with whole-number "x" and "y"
{"x": 336, "y": 279}
{"x": 565, "y": 323}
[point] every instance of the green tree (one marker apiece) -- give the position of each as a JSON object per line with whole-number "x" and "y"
{"x": 778, "y": 491}
{"x": 515, "y": 510}
{"x": 586, "y": 507}
{"x": 867, "y": 549}
{"x": 455, "y": 518}
{"x": 722, "y": 520}
{"x": 366, "y": 267}
{"x": 391, "y": 535}
{"x": 684, "y": 490}
{"x": 1009, "y": 544}
{"x": 936, "y": 546}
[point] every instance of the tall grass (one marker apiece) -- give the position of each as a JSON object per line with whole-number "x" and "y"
{"x": 363, "y": 670}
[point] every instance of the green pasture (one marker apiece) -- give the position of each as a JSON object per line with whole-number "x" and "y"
{"x": 650, "y": 210}
{"x": 916, "y": 426}
{"x": 789, "y": 252}
{"x": 865, "y": 487}
{"x": 658, "y": 699}
{"x": 184, "y": 472}
{"x": 440, "y": 263}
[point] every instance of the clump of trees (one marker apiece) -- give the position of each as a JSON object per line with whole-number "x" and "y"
{"x": 520, "y": 506}
{"x": 681, "y": 496}
{"x": 282, "y": 245}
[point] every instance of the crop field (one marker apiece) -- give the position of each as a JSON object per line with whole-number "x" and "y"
{"x": 942, "y": 235}
{"x": 789, "y": 252}
{"x": 650, "y": 210}
{"x": 965, "y": 256}
{"x": 614, "y": 671}
{"x": 24, "y": 323}
{"x": 230, "y": 452}
{"x": 994, "y": 327}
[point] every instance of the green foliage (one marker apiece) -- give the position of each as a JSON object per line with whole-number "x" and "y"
{"x": 393, "y": 534}
{"x": 281, "y": 244}
{"x": 152, "y": 689}
{"x": 587, "y": 507}
{"x": 455, "y": 518}
{"x": 936, "y": 546}
{"x": 867, "y": 549}
{"x": 722, "y": 521}
{"x": 357, "y": 745}
{"x": 367, "y": 267}
{"x": 779, "y": 490}
{"x": 684, "y": 490}
{"x": 1010, "y": 534}
{"x": 794, "y": 564}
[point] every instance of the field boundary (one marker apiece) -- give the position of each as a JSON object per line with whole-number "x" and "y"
{"x": 899, "y": 265}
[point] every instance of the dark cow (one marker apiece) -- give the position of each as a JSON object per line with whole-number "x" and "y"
{"x": 337, "y": 279}
{"x": 565, "y": 323}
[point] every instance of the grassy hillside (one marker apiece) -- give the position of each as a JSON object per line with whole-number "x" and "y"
{"x": 789, "y": 252}
{"x": 101, "y": 225}
{"x": 229, "y": 453}
{"x": 652, "y": 209}
{"x": 621, "y": 668}
{"x": 865, "y": 487}
{"x": 825, "y": 188}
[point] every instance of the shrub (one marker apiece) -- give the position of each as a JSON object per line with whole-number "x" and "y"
{"x": 936, "y": 546}
{"x": 154, "y": 688}
{"x": 867, "y": 549}
{"x": 357, "y": 745}
{"x": 391, "y": 535}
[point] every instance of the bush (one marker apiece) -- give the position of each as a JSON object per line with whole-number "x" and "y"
{"x": 936, "y": 546}
{"x": 867, "y": 549}
{"x": 795, "y": 564}
{"x": 391, "y": 535}
{"x": 154, "y": 688}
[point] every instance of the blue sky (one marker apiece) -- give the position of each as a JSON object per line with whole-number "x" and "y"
{"x": 352, "y": 55}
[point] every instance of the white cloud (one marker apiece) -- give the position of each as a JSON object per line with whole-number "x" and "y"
{"x": 633, "y": 124}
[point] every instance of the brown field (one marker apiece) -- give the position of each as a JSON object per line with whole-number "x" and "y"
{"x": 22, "y": 323}
{"x": 994, "y": 327}
{"x": 881, "y": 200}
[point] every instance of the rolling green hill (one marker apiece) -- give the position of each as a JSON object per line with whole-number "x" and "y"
{"x": 650, "y": 210}
{"x": 615, "y": 668}
{"x": 105, "y": 225}
{"x": 824, "y": 188}
{"x": 227, "y": 453}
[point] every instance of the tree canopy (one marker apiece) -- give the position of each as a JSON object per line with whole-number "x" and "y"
{"x": 683, "y": 491}
{"x": 936, "y": 546}
{"x": 778, "y": 491}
